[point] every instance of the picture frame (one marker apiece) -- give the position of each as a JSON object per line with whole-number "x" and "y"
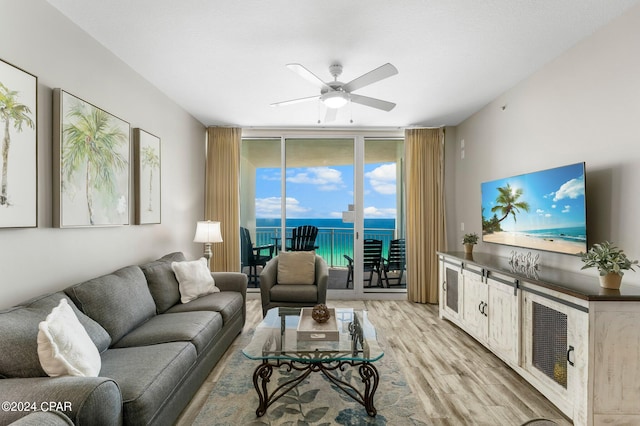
{"x": 91, "y": 164}
{"x": 148, "y": 177}
{"x": 18, "y": 147}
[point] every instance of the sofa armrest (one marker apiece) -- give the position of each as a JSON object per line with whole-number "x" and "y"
{"x": 233, "y": 281}
{"x": 85, "y": 400}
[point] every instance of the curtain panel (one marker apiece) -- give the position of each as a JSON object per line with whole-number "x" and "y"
{"x": 425, "y": 211}
{"x": 222, "y": 194}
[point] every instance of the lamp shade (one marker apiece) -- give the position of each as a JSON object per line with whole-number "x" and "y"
{"x": 208, "y": 232}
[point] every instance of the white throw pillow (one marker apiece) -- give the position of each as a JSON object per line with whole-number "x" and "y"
{"x": 64, "y": 346}
{"x": 297, "y": 267}
{"x": 194, "y": 279}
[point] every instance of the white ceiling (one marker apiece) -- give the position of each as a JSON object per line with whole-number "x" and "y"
{"x": 224, "y": 61}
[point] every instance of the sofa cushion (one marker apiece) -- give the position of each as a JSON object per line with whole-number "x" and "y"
{"x": 147, "y": 376}
{"x": 298, "y": 293}
{"x": 228, "y": 303}
{"x": 194, "y": 278}
{"x": 119, "y": 301}
{"x": 46, "y": 303}
{"x": 64, "y": 347}
{"x": 162, "y": 281}
{"x": 19, "y": 343}
{"x": 198, "y": 328}
{"x": 296, "y": 267}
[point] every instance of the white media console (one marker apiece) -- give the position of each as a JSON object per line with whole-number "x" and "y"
{"x": 575, "y": 342}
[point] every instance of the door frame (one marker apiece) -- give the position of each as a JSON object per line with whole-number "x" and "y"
{"x": 358, "y": 137}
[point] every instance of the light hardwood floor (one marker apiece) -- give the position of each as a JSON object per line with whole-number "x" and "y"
{"x": 455, "y": 378}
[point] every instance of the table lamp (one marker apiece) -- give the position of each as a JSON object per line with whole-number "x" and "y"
{"x": 208, "y": 232}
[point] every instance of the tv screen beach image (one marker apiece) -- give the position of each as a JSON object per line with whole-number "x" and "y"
{"x": 544, "y": 210}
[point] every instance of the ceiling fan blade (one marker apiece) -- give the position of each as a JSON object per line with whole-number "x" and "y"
{"x": 380, "y": 73}
{"x": 330, "y": 115}
{"x": 372, "y": 102}
{"x": 295, "y": 101}
{"x": 308, "y": 75}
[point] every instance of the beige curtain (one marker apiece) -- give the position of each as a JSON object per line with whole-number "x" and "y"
{"x": 425, "y": 211}
{"x": 222, "y": 194}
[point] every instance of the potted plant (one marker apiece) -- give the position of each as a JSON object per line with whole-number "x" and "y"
{"x": 469, "y": 240}
{"x": 610, "y": 261}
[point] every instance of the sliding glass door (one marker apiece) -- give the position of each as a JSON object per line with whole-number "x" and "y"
{"x": 348, "y": 188}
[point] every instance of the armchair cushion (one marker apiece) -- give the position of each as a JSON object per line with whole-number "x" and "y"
{"x": 297, "y": 267}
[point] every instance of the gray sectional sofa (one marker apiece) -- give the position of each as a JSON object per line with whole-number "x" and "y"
{"x": 155, "y": 351}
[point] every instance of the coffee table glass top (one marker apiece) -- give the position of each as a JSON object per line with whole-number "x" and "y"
{"x": 276, "y": 337}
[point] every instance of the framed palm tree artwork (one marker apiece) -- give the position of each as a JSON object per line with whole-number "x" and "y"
{"x": 91, "y": 164}
{"x": 19, "y": 148}
{"x": 147, "y": 177}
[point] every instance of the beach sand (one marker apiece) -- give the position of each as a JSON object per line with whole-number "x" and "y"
{"x": 520, "y": 240}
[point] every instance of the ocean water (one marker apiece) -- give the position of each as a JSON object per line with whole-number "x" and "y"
{"x": 574, "y": 234}
{"x": 335, "y": 238}
{"x": 325, "y": 223}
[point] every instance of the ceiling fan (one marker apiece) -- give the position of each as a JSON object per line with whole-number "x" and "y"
{"x": 336, "y": 94}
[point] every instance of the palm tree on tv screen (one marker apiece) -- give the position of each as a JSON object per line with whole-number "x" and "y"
{"x": 10, "y": 111}
{"x": 507, "y": 202}
{"x": 91, "y": 145}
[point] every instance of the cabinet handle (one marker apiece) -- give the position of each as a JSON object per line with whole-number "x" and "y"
{"x": 484, "y": 310}
{"x": 480, "y": 308}
{"x": 444, "y": 285}
{"x": 571, "y": 349}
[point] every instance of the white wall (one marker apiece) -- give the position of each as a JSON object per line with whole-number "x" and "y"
{"x": 37, "y": 38}
{"x": 583, "y": 106}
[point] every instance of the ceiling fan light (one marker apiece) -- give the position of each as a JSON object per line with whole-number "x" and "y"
{"x": 335, "y": 99}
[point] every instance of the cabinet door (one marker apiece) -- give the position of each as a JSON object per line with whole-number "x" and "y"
{"x": 555, "y": 350}
{"x": 475, "y": 304}
{"x": 450, "y": 289}
{"x": 504, "y": 319}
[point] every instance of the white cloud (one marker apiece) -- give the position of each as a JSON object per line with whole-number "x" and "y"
{"x": 270, "y": 207}
{"x": 326, "y": 178}
{"x": 374, "y": 212}
{"x": 547, "y": 215}
{"x": 553, "y": 206}
{"x": 566, "y": 209}
{"x": 539, "y": 211}
{"x": 571, "y": 189}
{"x": 383, "y": 179}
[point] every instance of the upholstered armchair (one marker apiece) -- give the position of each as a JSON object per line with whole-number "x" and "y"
{"x": 294, "y": 279}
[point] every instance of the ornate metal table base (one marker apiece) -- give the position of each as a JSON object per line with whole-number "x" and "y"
{"x": 368, "y": 374}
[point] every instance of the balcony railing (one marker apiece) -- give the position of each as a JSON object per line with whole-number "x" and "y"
{"x": 333, "y": 243}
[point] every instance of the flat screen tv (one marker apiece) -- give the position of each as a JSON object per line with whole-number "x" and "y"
{"x": 544, "y": 210}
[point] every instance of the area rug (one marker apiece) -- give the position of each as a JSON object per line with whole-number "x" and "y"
{"x": 315, "y": 401}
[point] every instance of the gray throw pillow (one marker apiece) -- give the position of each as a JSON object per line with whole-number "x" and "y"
{"x": 162, "y": 281}
{"x": 119, "y": 302}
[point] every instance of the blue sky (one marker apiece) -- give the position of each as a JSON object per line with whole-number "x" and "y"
{"x": 324, "y": 192}
{"x": 555, "y": 197}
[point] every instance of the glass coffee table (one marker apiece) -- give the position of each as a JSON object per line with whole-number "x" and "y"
{"x": 277, "y": 343}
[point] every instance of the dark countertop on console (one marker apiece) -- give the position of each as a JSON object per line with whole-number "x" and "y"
{"x": 571, "y": 283}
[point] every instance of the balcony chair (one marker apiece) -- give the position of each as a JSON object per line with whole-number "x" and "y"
{"x": 294, "y": 279}
{"x": 303, "y": 238}
{"x": 371, "y": 258}
{"x": 252, "y": 257}
{"x": 395, "y": 261}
